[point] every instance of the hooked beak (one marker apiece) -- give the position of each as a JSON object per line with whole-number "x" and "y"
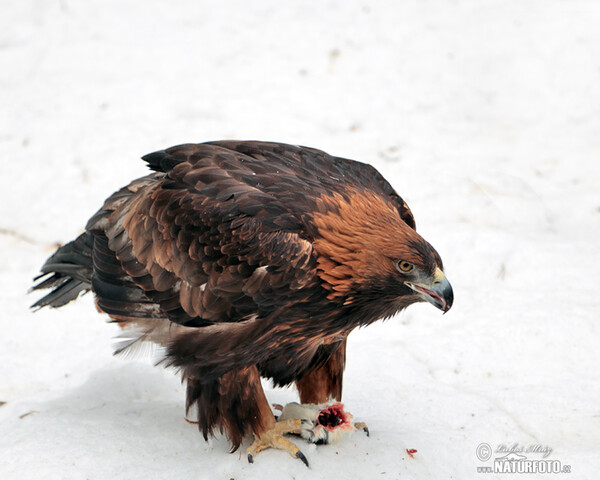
{"x": 439, "y": 293}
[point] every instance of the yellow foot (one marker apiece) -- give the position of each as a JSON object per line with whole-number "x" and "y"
{"x": 274, "y": 439}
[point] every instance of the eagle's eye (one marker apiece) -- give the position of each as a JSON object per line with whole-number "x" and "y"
{"x": 404, "y": 266}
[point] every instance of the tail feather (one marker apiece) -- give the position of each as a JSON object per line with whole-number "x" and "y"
{"x": 70, "y": 270}
{"x": 68, "y": 290}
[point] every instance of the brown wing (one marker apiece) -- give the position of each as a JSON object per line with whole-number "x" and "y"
{"x": 202, "y": 245}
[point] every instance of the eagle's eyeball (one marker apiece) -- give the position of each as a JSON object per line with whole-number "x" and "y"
{"x": 404, "y": 266}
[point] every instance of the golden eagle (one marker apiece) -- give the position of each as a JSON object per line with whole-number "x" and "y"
{"x": 246, "y": 260}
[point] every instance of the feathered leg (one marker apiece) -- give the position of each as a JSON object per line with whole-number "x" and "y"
{"x": 316, "y": 388}
{"x": 235, "y": 404}
{"x": 325, "y": 382}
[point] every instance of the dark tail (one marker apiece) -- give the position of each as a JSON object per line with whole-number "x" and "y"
{"x": 68, "y": 272}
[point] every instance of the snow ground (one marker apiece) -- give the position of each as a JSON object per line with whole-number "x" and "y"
{"x": 485, "y": 115}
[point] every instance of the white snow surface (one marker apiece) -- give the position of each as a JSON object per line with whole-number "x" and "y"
{"x": 484, "y": 115}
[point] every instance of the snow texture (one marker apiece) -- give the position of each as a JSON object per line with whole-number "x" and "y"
{"x": 484, "y": 115}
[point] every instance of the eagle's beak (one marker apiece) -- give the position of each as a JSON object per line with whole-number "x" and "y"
{"x": 438, "y": 293}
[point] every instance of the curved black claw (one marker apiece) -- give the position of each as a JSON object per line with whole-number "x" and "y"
{"x": 250, "y": 458}
{"x": 301, "y": 456}
{"x": 362, "y": 426}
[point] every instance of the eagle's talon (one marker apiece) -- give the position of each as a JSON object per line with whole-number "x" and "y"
{"x": 301, "y": 456}
{"x": 362, "y": 426}
{"x": 274, "y": 439}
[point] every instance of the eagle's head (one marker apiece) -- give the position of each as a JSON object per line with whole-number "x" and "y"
{"x": 424, "y": 279}
{"x": 368, "y": 255}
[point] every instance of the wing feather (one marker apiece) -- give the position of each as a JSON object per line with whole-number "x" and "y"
{"x": 195, "y": 254}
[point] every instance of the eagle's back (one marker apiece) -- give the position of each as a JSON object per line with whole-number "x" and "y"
{"x": 293, "y": 177}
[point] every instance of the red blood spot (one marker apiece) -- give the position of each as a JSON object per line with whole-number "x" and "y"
{"x": 333, "y": 417}
{"x": 410, "y": 452}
